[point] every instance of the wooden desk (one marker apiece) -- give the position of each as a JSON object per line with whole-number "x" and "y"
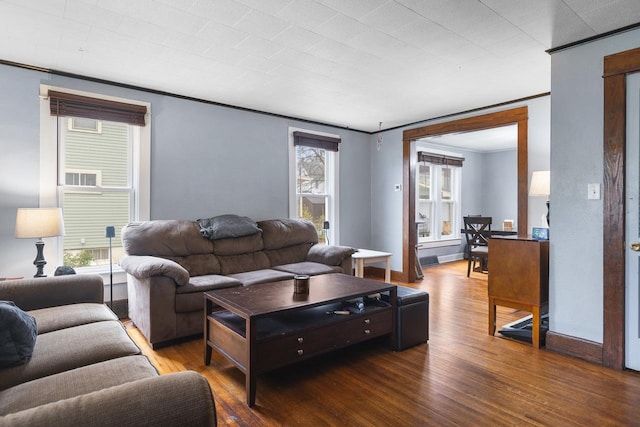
{"x": 518, "y": 278}
{"x": 495, "y": 232}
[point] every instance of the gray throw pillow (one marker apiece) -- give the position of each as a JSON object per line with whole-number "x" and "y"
{"x": 18, "y": 332}
{"x": 227, "y": 226}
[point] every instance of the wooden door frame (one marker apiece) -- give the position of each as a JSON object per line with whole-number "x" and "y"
{"x": 616, "y": 69}
{"x": 518, "y": 116}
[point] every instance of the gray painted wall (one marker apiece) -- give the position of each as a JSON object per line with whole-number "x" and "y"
{"x": 500, "y": 186}
{"x": 205, "y": 160}
{"x": 576, "y": 294}
{"x": 386, "y": 167}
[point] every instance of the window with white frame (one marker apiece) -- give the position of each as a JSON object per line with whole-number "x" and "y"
{"x": 81, "y": 124}
{"x": 102, "y": 171}
{"x": 85, "y": 178}
{"x": 313, "y": 176}
{"x": 438, "y": 197}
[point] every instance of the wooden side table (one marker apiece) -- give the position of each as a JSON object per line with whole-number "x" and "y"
{"x": 367, "y": 256}
{"x": 519, "y": 278}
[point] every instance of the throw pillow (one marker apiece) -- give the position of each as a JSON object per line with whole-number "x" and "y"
{"x": 18, "y": 332}
{"x": 227, "y": 226}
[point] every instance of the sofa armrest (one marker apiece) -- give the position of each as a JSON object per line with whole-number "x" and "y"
{"x": 329, "y": 254}
{"x": 178, "y": 399}
{"x": 42, "y": 292}
{"x": 144, "y": 267}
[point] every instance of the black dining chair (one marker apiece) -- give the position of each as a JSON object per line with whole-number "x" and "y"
{"x": 477, "y": 230}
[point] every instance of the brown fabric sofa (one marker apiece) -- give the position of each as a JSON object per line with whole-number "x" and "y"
{"x": 86, "y": 371}
{"x": 170, "y": 265}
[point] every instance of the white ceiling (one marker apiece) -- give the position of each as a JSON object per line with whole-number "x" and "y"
{"x": 487, "y": 141}
{"x": 351, "y": 63}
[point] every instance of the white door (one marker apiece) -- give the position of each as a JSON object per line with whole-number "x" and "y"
{"x": 632, "y": 350}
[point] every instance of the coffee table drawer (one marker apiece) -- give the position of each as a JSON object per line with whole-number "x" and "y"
{"x": 361, "y": 328}
{"x": 276, "y": 352}
{"x": 281, "y": 351}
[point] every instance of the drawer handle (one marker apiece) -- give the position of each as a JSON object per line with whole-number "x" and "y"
{"x": 367, "y": 331}
{"x": 300, "y": 339}
{"x": 367, "y": 321}
{"x": 300, "y": 352}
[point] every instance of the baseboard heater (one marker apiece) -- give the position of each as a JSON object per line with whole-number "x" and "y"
{"x": 522, "y": 329}
{"x": 428, "y": 261}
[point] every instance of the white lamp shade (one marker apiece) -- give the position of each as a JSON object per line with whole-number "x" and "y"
{"x": 39, "y": 222}
{"x": 540, "y": 183}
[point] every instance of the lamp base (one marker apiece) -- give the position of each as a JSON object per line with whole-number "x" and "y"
{"x": 39, "y": 262}
{"x": 547, "y": 213}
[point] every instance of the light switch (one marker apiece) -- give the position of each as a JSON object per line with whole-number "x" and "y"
{"x": 397, "y": 187}
{"x": 593, "y": 191}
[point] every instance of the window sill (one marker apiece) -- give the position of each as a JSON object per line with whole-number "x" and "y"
{"x": 119, "y": 276}
{"x": 439, "y": 243}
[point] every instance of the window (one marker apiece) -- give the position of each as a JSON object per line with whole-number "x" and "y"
{"x": 80, "y": 124}
{"x": 100, "y": 166}
{"x": 438, "y": 198}
{"x": 83, "y": 178}
{"x": 313, "y": 175}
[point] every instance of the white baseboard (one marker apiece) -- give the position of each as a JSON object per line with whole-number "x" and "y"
{"x": 449, "y": 258}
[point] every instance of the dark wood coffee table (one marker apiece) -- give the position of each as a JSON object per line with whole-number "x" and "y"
{"x": 264, "y": 327}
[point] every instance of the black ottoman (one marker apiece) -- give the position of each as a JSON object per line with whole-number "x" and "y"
{"x": 412, "y": 317}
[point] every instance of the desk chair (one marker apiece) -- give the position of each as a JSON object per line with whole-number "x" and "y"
{"x": 477, "y": 230}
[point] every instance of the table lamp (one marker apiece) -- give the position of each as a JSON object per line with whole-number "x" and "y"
{"x": 37, "y": 223}
{"x": 541, "y": 186}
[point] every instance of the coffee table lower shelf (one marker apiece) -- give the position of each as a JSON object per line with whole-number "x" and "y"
{"x": 258, "y": 345}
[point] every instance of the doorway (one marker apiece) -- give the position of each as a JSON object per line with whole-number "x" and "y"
{"x": 518, "y": 116}
{"x": 632, "y": 319}
{"x": 616, "y": 69}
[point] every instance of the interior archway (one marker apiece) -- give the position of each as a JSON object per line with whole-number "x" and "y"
{"x": 518, "y": 116}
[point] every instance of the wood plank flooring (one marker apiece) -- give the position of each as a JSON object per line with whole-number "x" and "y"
{"x": 462, "y": 377}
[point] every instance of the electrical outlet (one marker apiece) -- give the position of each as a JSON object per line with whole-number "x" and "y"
{"x": 593, "y": 191}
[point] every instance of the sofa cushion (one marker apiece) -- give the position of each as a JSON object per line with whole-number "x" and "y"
{"x": 18, "y": 332}
{"x": 40, "y": 292}
{"x": 189, "y": 298}
{"x": 208, "y": 283}
{"x": 164, "y": 238}
{"x": 288, "y": 255}
{"x": 280, "y": 233}
{"x": 227, "y": 226}
{"x": 75, "y": 382}
{"x": 66, "y": 316}
{"x": 198, "y": 264}
{"x": 309, "y": 268}
{"x": 143, "y": 267}
{"x": 261, "y": 276}
{"x": 239, "y": 245}
{"x": 71, "y": 348}
{"x": 243, "y": 262}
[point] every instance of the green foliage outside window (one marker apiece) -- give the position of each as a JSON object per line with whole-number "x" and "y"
{"x": 80, "y": 259}
{"x": 317, "y": 222}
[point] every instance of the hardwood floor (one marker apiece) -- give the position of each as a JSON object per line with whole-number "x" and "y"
{"x": 462, "y": 377}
